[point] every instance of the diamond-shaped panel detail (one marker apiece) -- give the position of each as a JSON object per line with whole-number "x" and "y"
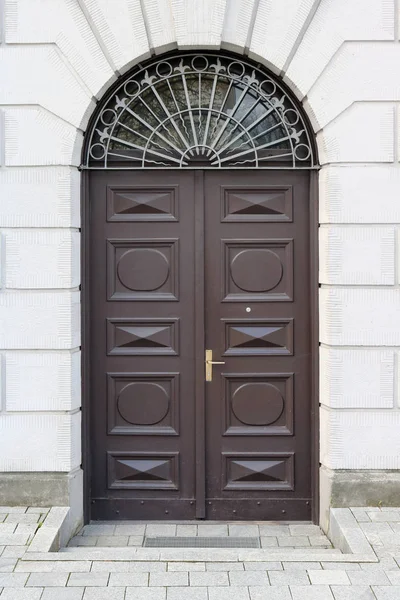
{"x": 257, "y": 205}
{"x": 259, "y": 472}
{"x": 131, "y": 470}
{"x": 263, "y": 337}
{"x": 141, "y": 204}
{"x": 142, "y": 337}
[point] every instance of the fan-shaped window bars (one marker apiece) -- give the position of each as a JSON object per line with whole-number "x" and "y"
{"x": 199, "y": 110}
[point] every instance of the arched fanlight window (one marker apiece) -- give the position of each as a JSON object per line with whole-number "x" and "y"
{"x": 199, "y": 110}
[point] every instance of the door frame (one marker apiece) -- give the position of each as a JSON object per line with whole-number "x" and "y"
{"x": 199, "y": 385}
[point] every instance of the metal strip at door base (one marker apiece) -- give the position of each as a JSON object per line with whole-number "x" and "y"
{"x": 202, "y": 542}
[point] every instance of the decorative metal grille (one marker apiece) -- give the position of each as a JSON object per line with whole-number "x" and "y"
{"x": 199, "y": 110}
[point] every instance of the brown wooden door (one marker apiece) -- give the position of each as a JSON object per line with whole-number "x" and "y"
{"x": 181, "y": 262}
{"x": 258, "y": 323}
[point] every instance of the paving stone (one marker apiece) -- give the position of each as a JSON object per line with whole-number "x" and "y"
{"x": 47, "y": 580}
{"x": 17, "y": 518}
{"x": 368, "y": 578}
{"x": 212, "y": 530}
{"x": 225, "y": 593}
{"x": 129, "y": 530}
{"x": 2, "y": 517}
{"x": 73, "y": 566}
{"x": 13, "y": 539}
{"x": 7, "y": 528}
{"x": 301, "y": 566}
{"x": 104, "y": 594}
{"x": 341, "y": 566}
{"x": 243, "y": 530}
{"x": 81, "y": 540}
{"x": 112, "y": 540}
{"x": 135, "y": 540}
{"x": 27, "y": 529}
{"x": 13, "y": 579}
{"x": 13, "y": 509}
{"x": 128, "y": 579}
{"x": 274, "y": 530}
{"x": 209, "y": 578}
{"x": 176, "y": 593}
{"x": 13, "y": 551}
{"x": 7, "y": 565}
{"x": 390, "y": 539}
{"x": 386, "y": 563}
{"x": 88, "y": 579}
{"x": 268, "y": 542}
{"x": 21, "y": 594}
{"x": 376, "y": 528}
{"x": 169, "y": 579}
{"x": 288, "y": 578}
{"x": 328, "y": 577}
{"x": 353, "y": 592}
{"x": 95, "y": 530}
{"x": 38, "y": 509}
{"x": 62, "y": 594}
{"x": 110, "y": 566}
{"x": 189, "y": 566}
{"x": 360, "y": 515}
{"x": 394, "y": 577}
{"x": 227, "y": 566}
{"x": 263, "y": 566}
{"x": 186, "y": 530}
{"x": 146, "y": 593}
{"x": 316, "y": 592}
{"x": 278, "y": 592}
{"x": 160, "y": 530}
{"x": 384, "y": 516}
{"x": 386, "y": 593}
{"x": 298, "y": 541}
{"x": 248, "y": 578}
{"x": 305, "y": 530}
{"x": 321, "y": 541}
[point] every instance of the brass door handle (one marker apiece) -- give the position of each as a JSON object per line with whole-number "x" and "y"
{"x": 209, "y": 364}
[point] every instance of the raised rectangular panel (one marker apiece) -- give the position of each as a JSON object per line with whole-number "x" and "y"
{"x": 276, "y": 28}
{"x": 40, "y": 197}
{"x": 244, "y": 260}
{"x": 143, "y": 269}
{"x": 198, "y": 22}
{"x": 237, "y": 21}
{"x": 64, "y": 24}
{"x": 39, "y": 442}
{"x": 356, "y": 378}
{"x": 42, "y": 83}
{"x": 257, "y": 204}
{"x": 142, "y": 203}
{"x": 143, "y": 403}
{"x": 38, "y": 320}
{"x": 258, "y": 471}
{"x": 37, "y": 381}
{"x": 360, "y": 440}
{"x": 35, "y": 137}
{"x": 355, "y": 20}
{"x": 254, "y": 337}
{"x": 360, "y": 317}
{"x": 356, "y": 194}
{"x": 357, "y": 255}
{"x": 346, "y": 139}
{"x": 143, "y": 471}
{"x": 42, "y": 259}
{"x": 353, "y": 65}
{"x": 143, "y": 337}
{"x": 120, "y": 29}
{"x": 258, "y": 404}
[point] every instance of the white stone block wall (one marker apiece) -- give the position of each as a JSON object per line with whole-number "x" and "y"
{"x": 341, "y": 58}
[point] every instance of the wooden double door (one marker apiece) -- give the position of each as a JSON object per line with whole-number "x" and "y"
{"x": 182, "y": 262}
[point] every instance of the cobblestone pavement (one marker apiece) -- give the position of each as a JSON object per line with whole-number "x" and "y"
{"x": 74, "y": 578}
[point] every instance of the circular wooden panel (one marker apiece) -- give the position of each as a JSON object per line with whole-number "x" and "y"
{"x": 143, "y": 403}
{"x": 257, "y": 403}
{"x": 256, "y": 270}
{"x": 143, "y": 269}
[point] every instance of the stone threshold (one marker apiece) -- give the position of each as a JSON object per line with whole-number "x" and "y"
{"x": 350, "y": 545}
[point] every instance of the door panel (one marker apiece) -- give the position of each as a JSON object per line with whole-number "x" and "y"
{"x": 257, "y": 321}
{"x": 142, "y": 345}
